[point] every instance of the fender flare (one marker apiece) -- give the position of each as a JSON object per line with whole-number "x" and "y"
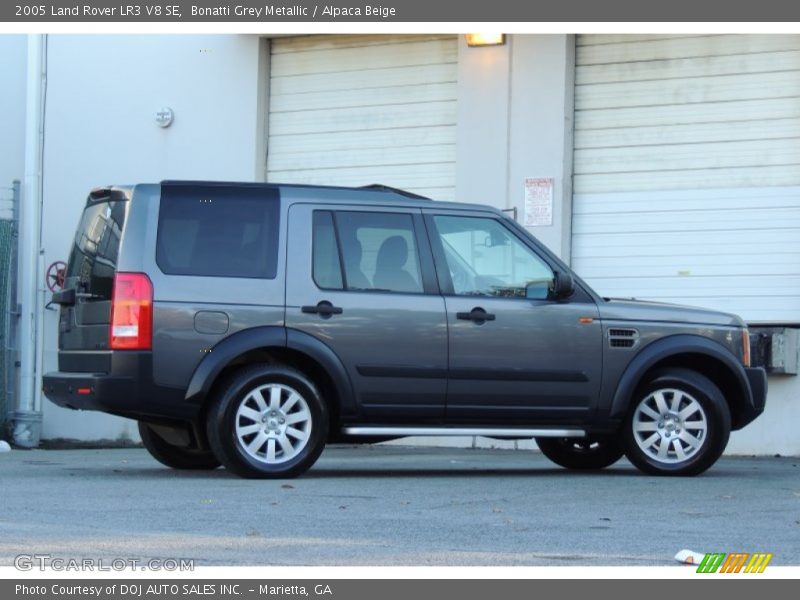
{"x": 673, "y": 346}
{"x": 331, "y": 363}
{"x": 233, "y": 346}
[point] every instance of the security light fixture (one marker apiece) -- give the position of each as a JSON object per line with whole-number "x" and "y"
{"x": 485, "y": 39}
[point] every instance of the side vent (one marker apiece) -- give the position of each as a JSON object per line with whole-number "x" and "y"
{"x": 622, "y": 338}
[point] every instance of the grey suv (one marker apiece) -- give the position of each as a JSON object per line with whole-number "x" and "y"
{"x": 249, "y": 324}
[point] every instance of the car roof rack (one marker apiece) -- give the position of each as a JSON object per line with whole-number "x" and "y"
{"x": 379, "y": 187}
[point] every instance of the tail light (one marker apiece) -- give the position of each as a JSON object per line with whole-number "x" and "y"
{"x": 746, "y": 347}
{"x": 131, "y": 312}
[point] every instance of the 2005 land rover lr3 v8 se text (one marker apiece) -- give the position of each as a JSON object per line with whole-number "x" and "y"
{"x": 249, "y": 324}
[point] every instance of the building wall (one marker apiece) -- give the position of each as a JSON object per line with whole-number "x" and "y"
{"x": 775, "y": 431}
{"x": 13, "y": 51}
{"x": 515, "y": 121}
{"x": 102, "y": 96}
{"x": 484, "y": 88}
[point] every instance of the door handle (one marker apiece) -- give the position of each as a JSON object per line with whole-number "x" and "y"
{"x": 477, "y": 314}
{"x": 324, "y": 309}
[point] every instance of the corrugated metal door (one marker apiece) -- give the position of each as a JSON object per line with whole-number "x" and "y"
{"x": 687, "y": 170}
{"x": 363, "y": 109}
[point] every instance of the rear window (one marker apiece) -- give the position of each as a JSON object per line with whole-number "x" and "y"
{"x": 95, "y": 250}
{"x": 218, "y": 232}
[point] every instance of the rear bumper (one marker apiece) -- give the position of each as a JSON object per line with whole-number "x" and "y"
{"x": 757, "y": 382}
{"x": 126, "y": 391}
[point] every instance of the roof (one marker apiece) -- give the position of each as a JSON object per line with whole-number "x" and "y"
{"x": 373, "y": 192}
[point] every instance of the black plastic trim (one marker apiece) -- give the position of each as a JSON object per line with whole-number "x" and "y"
{"x": 64, "y": 297}
{"x": 85, "y": 361}
{"x": 127, "y": 390}
{"x": 327, "y": 358}
{"x": 471, "y": 374}
{"x": 244, "y": 341}
{"x": 108, "y": 194}
{"x": 518, "y": 375}
{"x": 225, "y": 352}
{"x": 757, "y": 378}
{"x": 691, "y": 344}
{"x": 401, "y": 372}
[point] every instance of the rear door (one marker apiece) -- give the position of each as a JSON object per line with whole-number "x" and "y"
{"x": 365, "y": 286}
{"x": 90, "y": 272}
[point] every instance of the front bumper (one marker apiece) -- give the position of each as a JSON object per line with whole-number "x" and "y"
{"x": 757, "y": 380}
{"x": 127, "y": 390}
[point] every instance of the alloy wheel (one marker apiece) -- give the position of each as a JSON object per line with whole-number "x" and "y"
{"x": 670, "y": 426}
{"x": 273, "y": 423}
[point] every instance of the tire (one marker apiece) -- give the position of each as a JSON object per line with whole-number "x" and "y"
{"x": 267, "y": 422}
{"x": 175, "y": 456}
{"x": 591, "y": 453}
{"x": 678, "y": 424}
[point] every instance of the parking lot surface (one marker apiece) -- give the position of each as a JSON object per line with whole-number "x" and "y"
{"x": 390, "y": 505}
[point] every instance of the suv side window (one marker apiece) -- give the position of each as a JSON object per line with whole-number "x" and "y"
{"x": 327, "y": 268}
{"x": 218, "y": 232}
{"x": 485, "y": 258}
{"x": 373, "y": 251}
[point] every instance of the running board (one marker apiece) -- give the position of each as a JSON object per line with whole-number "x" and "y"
{"x": 445, "y": 431}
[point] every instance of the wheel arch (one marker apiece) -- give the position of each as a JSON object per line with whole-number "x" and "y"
{"x": 274, "y": 344}
{"x": 694, "y": 352}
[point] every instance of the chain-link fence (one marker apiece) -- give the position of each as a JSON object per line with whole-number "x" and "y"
{"x": 9, "y": 206}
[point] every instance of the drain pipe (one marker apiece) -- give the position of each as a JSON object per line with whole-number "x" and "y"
{"x": 27, "y": 420}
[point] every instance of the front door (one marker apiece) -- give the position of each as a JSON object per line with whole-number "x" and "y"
{"x": 516, "y": 355}
{"x": 362, "y": 281}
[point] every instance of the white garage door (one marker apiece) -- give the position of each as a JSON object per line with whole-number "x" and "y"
{"x": 687, "y": 170}
{"x": 357, "y": 110}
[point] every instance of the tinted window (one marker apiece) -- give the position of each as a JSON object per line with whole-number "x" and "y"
{"x": 93, "y": 260}
{"x": 218, "y": 232}
{"x": 485, "y": 259}
{"x": 327, "y": 266}
{"x": 379, "y": 251}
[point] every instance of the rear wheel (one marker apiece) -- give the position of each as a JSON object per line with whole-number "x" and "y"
{"x": 268, "y": 421}
{"x": 589, "y": 453}
{"x": 679, "y": 424}
{"x": 174, "y": 456}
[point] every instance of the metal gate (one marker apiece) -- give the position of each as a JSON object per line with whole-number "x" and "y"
{"x": 9, "y": 221}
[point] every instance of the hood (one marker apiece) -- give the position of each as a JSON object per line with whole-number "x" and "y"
{"x": 619, "y": 309}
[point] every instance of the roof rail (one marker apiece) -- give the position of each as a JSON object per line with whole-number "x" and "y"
{"x": 379, "y": 187}
{"x": 376, "y": 187}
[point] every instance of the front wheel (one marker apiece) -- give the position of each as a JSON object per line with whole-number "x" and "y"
{"x": 679, "y": 424}
{"x": 268, "y": 421}
{"x": 588, "y": 453}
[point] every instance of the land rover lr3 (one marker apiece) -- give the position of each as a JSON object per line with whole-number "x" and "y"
{"x": 249, "y": 324}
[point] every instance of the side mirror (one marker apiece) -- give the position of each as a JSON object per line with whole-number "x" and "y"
{"x": 563, "y": 285}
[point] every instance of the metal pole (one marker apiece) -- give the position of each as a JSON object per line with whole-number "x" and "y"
{"x": 12, "y": 316}
{"x": 27, "y": 421}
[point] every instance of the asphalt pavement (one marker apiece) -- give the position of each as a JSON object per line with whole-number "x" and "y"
{"x": 390, "y": 505}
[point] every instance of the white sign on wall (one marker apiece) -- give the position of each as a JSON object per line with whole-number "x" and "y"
{"x": 538, "y": 201}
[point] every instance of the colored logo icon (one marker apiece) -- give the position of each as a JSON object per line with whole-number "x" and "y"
{"x": 737, "y": 562}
